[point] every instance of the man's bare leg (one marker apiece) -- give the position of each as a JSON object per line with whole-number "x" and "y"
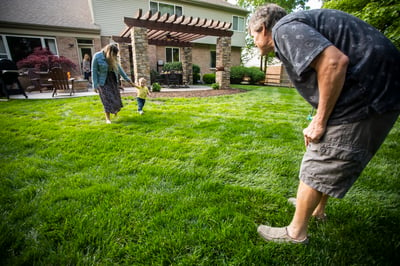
{"x": 319, "y": 211}
{"x": 307, "y": 201}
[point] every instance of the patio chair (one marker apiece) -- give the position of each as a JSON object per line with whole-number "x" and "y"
{"x": 9, "y": 82}
{"x": 37, "y": 83}
{"x": 173, "y": 79}
{"x": 60, "y": 81}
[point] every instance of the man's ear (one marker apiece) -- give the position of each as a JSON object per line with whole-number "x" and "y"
{"x": 264, "y": 30}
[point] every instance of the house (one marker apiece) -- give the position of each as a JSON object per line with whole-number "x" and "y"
{"x": 76, "y": 27}
{"x": 65, "y": 27}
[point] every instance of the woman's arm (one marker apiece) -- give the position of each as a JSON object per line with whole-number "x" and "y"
{"x": 95, "y": 77}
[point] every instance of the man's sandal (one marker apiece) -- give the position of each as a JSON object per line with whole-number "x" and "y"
{"x": 278, "y": 235}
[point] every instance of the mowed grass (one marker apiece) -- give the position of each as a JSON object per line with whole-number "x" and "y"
{"x": 187, "y": 183}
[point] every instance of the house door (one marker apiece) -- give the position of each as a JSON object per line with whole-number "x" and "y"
{"x": 82, "y": 51}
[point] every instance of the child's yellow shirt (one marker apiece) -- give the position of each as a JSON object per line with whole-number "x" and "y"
{"x": 142, "y": 92}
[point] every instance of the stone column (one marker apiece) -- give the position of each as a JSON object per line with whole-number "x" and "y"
{"x": 187, "y": 66}
{"x": 223, "y": 62}
{"x": 140, "y": 55}
{"x": 124, "y": 58}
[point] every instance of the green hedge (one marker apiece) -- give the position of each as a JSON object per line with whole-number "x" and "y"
{"x": 239, "y": 72}
{"x": 209, "y": 78}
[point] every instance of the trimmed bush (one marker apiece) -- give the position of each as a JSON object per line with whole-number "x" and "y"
{"x": 196, "y": 73}
{"x": 209, "y": 78}
{"x": 255, "y": 74}
{"x": 155, "y": 87}
{"x": 237, "y": 74}
{"x": 176, "y": 66}
{"x": 215, "y": 86}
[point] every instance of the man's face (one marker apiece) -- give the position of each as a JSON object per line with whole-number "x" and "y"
{"x": 263, "y": 40}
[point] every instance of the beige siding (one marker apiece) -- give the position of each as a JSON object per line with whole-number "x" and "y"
{"x": 114, "y": 24}
{"x": 109, "y": 15}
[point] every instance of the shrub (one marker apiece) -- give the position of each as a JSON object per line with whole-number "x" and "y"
{"x": 156, "y": 87}
{"x": 209, "y": 78}
{"x": 154, "y": 75}
{"x": 42, "y": 59}
{"x": 176, "y": 66}
{"x": 215, "y": 86}
{"x": 237, "y": 74}
{"x": 255, "y": 74}
{"x": 196, "y": 73}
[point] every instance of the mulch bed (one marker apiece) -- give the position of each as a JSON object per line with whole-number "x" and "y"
{"x": 188, "y": 94}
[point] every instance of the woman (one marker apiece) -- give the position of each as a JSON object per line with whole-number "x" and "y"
{"x": 105, "y": 70}
{"x": 86, "y": 67}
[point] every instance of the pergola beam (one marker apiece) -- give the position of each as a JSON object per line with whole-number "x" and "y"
{"x": 164, "y": 26}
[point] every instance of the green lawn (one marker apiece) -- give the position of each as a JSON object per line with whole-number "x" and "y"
{"x": 185, "y": 184}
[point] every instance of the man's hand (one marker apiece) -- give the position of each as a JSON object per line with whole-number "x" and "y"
{"x": 314, "y": 132}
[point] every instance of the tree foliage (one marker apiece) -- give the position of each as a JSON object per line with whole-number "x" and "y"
{"x": 43, "y": 59}
{"x": 251, "y": 5}
{"x": 382, "y": 14}
{"x": 289, "y": 5}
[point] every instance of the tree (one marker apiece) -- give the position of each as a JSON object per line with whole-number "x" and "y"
{"x": 381, "y": 14}
{"x": 251, "y": 5}
{"x": 289, "y": 5}
{"x": 43, "y": 59}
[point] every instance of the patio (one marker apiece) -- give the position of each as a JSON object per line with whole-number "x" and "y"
{"x": 34, "y": 95}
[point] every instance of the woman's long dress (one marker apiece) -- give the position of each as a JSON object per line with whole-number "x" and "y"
{"x": 109, "y": 94}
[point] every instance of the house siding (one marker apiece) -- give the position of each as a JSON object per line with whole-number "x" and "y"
{"x": 113, "y": 25}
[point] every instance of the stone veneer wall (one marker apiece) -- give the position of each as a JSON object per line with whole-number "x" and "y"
{"x": 223, "y": 64}
{"x": 140, "y": 54}
{"x": 187, "y": 66}
{"x": 124, "y": 58}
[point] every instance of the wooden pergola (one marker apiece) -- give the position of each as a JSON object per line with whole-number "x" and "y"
{"x": 171, "y": 30}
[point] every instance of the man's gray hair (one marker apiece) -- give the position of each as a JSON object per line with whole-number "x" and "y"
{"x": 267, "y": 15}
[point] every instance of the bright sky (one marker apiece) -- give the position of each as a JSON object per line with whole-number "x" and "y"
{"x": 313, "y": 4}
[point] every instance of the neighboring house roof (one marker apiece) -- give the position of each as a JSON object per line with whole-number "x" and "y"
{"x": 65, "y": 14}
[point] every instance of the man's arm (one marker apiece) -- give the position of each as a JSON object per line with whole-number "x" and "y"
{"x": 331, "y": 66}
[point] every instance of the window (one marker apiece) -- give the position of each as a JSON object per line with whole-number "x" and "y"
{"x": 165, "y": 8}
{"x": 213, "y": 57}
{"x": 20, "y": 47}
{"x": 172, "y": 54}
{"x": 3, "y": 52}
{"x": 238, "y": 23}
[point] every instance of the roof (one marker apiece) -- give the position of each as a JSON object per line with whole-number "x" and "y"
{"x": 70, "y": 14}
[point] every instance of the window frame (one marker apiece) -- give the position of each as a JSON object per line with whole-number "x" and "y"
{"x": 44, "y": 41}
{"x": 243, "y": 24}
{"x": 213, "y": 58}
{"x": 168, "y": 4}
{"x": 172, "y": 56}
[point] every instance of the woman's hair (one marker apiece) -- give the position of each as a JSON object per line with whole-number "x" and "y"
{"x": 111, "y": 52}
{"x": 267, "y": 15}
{"x": 86, "y": 57}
